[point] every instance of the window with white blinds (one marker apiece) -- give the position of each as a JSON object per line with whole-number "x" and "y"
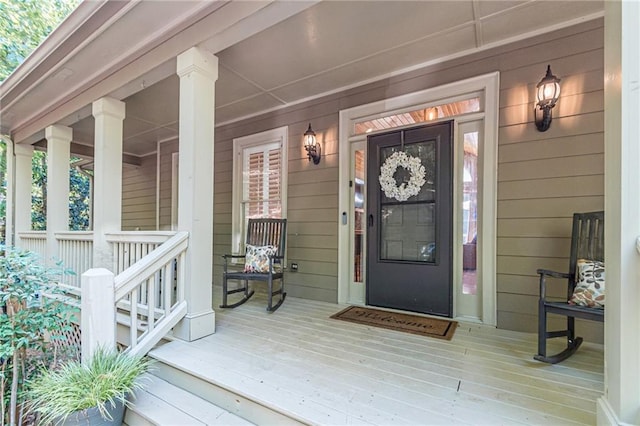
{"x": 260, "y": 180}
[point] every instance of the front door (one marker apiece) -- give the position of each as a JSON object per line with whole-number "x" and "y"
{"x": 409, "y": 225}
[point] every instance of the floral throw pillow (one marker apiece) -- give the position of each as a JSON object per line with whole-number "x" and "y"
{"x": 589, "y": 289}
{"x": 257, "y": 258}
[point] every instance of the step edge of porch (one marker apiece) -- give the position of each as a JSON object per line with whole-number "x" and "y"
{"x": 229, "y": 398}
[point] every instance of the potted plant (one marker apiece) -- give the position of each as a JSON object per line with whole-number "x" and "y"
{"x": 95, "y": 393}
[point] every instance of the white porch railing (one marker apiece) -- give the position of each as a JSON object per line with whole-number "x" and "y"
{"x": 131, "y": 246}
{"x": 35, "y": 241}
{"x": 150, "y": 271}
{"x": 148, "y": 297}
{"x": 76, "y": 250}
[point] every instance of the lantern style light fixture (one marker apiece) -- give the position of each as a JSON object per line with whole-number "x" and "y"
{"x": 311, "y": 145}
{"x": 431, "y": 114}
{"x": 547, "y": 94}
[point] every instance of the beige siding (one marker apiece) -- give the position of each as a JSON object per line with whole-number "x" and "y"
{"x": 166, "y": 149}
{"x": 542, "y": 177}
{"x": 139, "y": 195}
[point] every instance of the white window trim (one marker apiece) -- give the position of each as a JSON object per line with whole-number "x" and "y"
{"x": 278, "y": 135}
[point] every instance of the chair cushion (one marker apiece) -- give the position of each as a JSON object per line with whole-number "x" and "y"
{"x": 257, "y": 258}
{"x": 589, "y": 290}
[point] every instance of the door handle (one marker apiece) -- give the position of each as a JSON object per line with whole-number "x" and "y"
{"x": 370, "y": 220}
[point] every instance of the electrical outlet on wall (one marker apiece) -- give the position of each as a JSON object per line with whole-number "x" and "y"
{"x": 294, "y": 266}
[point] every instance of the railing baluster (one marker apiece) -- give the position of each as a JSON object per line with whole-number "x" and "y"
{"x": 133, "y": 317}
{"x": 158, "y": 288}
{"x": 151, "y": 305}
{"x": 167, "y": 281}
{"x": 181, "y": 276}
{"x": 138, "y": 253}
{"x": 120, "y": 257}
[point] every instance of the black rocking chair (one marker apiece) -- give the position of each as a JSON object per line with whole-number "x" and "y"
{"x": 587, "y": 242}
{"x": 260, "y": 232}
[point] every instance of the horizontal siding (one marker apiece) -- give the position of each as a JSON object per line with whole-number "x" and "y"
{"x": 139, "y": 195}
{"x": 573, "y": 186}
{"x": 543, "y": 207}
{"x": 551, "y": 168}
{"x": 563, "y": 127}
{"x": 312, "y": 241}
{"x": 222, "y": 206}
{"x": 535, "y": 227}
{"x": 535, "y": 247}
{"x": 165, "y": 150}
{"x": 544, "y": 177}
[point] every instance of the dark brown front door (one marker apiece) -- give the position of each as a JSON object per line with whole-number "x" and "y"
{"x": 409, "y": 249}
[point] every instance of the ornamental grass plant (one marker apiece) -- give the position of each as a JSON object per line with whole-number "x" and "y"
{"x": 104, "y": 382}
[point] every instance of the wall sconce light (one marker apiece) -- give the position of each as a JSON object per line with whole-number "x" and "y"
{"x": 547, "y": 94}
{"x": 311, "y": 145}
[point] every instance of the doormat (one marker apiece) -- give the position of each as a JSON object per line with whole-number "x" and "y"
{"x": 432, "y": 327}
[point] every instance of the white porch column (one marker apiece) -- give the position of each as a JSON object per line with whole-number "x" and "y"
{"x": 22, "y": 194}
{"x": 58, "y": 156}
{"x": 621, "y": 401}
{"x": 9, "y": 201}
{"x": 198, "y": 72}
{"x": 107, "y": 195}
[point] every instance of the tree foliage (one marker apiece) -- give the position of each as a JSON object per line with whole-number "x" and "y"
{"x": 24, "y": 24}
{"x": 39, "y": 191}
{"x": 79, "y": 200}
{"x": 3, "y": 187}
{"x": 79, "y": 195}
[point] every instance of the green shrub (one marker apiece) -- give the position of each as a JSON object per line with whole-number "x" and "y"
{"x": 28, "y": 322}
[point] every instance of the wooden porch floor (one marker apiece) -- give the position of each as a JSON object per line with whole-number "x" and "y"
{"x": 324, "y": 371}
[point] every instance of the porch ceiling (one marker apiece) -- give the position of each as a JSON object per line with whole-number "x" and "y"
{"x": 327, "y": 46}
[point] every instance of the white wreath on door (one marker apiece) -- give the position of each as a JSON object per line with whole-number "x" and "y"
{"x": 405, "y": 190}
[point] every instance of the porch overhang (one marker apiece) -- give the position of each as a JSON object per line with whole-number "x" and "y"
{"x": 136, "y": 45}
{"x": 101, "y": 32}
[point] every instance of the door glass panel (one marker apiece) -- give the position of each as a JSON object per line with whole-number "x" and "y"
{"x": 408, "y": 228}
{"x": 470, "y": 214}
{"x": 358, "y": 203}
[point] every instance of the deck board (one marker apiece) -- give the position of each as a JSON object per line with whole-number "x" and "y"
{"x": 326, "y": 371}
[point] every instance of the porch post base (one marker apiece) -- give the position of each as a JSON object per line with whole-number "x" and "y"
{"x": 606, "y": 415}
{"x": 195, "y": 326}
